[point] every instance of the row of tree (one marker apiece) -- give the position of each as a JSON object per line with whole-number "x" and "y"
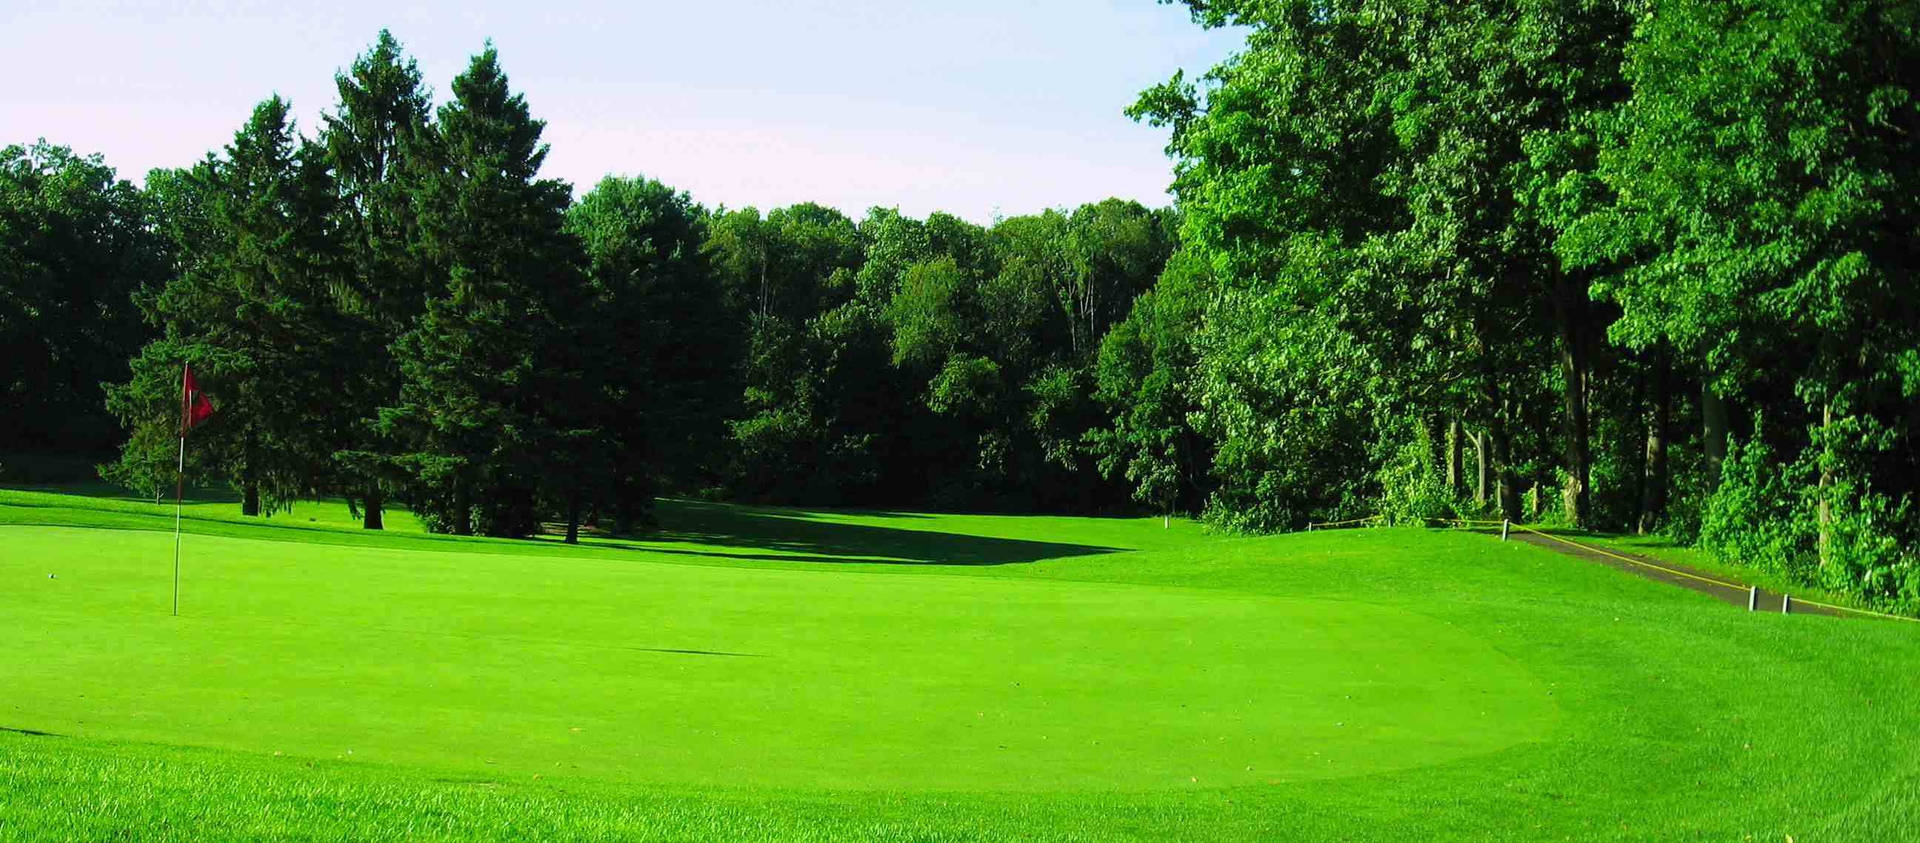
{"x": 1652, "y": 263}
{"x": 402, "y": 309}
{"x": 1626, "y": 264}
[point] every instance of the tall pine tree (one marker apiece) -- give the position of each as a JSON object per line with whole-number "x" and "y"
{"x": 374, "y": 141}
{"x": 253, "y": 310}
{"x": 477, "y": 416}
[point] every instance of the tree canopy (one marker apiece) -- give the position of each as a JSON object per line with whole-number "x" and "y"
{"x": 1638, "y": 265}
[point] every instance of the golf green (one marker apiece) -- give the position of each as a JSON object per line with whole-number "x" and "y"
{"x": 663, "y": 672}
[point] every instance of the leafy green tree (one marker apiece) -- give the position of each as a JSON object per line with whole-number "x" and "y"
{"x": 787, "y": 278}
{"x": 76, "y": 243}
{"x": 1396, "y": 150}
{"x": 1763, "y": 198}
{"x": 1145, "y": 376}
{"x": 1116, "y": 249}
{"x": 670, "y": 386}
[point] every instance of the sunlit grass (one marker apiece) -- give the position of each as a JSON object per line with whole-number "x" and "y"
{"x": 766, "y": 673}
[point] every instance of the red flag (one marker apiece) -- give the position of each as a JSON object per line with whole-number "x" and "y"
{"x": 194, "y": 406}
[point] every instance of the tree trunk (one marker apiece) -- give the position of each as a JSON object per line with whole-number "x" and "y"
{"x": 1506, "y": 482}
{"x": 1826, "y": 483}
{"x": 1456, "y": 482}
{"x": 1636, "y": 498}
{"x": 765, "y": 299}
{"x": 1573, "y": 370}
{"x": 1434, "y": 437}
{"x": 1713, "y": 418}
{"x": 573, "y": 519}
{"x": 1485, "y": 466}
{"x": 462, "y": 509}
{"x": 1653, "y": 497}
{"x": 249, "y": 484}
{"x": 372, "y": 518}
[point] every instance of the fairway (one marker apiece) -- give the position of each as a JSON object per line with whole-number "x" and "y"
{"x": 641, "y": 670}
{"x": 955, "y": 677}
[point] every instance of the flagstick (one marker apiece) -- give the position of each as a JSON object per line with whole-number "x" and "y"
{"x": 180, "y": 476}
{"x": 179, "y": 484}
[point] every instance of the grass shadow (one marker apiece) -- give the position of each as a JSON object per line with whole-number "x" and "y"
{"x": 711, "y": 530}
{"x": 799, "y": 536}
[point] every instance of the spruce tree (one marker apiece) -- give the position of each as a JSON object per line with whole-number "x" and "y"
{"x": 253, "y": 311}
{"x": 375, "y": 143}
{"x": 483, "y": 365}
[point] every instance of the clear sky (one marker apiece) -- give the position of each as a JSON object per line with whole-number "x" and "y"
{"x": 975, "y": 107}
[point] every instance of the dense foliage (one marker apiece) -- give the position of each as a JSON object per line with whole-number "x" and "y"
{"x": 75, "y": 244}
{"x": 1591, "y": 238}
{"x": 1632, "y": 265}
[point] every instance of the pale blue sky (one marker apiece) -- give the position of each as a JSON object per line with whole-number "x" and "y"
{"x": 970, "y": 107}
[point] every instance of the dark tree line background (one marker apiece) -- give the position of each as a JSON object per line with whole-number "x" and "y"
{"x": 1634, "y": 265}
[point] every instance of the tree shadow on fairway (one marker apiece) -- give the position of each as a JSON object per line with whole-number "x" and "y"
{"x": 711, "y": 530}
{"x": 797, "y": 536}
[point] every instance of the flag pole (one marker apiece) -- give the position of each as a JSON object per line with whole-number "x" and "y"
{"x": 179, "y": 484}
{"x": 180, "y": 481}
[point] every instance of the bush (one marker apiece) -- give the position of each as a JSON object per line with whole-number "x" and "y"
{"x": 1765, "y": 514}
{"x": 1758, "y": 516}
{"x": 1868, "y": 551}
{"x": 1413, "y": 488}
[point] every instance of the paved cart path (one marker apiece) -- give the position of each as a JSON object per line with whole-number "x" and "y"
{"x": 1719, "y": 587}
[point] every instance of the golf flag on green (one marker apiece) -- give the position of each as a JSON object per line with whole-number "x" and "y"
{"x": 194, "y": 409}
{"x": 194, "y": 406}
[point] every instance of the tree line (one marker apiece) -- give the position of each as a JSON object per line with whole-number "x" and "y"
{"x": 1633, "y": 265}
{"x": 1622, "y": 264}
{"x": 400, "y": 309}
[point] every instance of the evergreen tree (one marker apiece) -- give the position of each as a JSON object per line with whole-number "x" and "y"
{"x": 477, "y": 414}
{"x": 374, "y": 142}
{"x": 253, "y": 310}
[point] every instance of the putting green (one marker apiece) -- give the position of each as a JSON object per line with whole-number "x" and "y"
{"x": 637, "y": 667}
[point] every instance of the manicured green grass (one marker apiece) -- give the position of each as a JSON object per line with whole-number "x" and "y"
{"x": 781, "y": 674}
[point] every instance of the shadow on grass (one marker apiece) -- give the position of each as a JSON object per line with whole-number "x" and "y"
{"x": 760, "y": 533}
{"x": 800, "y": 536}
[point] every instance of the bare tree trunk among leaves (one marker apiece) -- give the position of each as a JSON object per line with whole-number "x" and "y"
{"x": 573, "y": 519}
{"x": 1485, "y": 465}
{"x": 1825, "y": 505}
{"x": 1713, "y": 420}
{"x": 1507, "y": 484}
{"x": 1569, "y": 312}
{"x": 1456, "y": 484}
{"x": 1653, "y": 503}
